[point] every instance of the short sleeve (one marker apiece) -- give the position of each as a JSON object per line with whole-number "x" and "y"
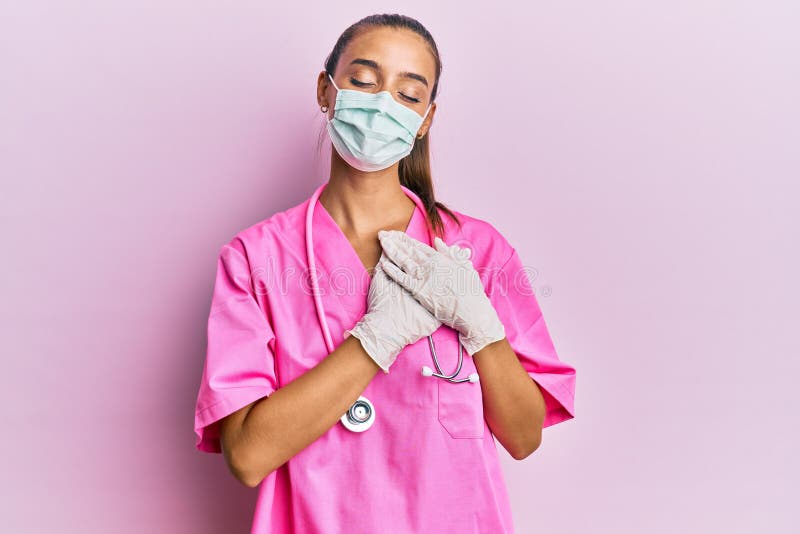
{"x": 240, "y": 363}
{"x": 510, "y": 292}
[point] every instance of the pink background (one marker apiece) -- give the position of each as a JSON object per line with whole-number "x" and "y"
{"x": 642, "y": 156}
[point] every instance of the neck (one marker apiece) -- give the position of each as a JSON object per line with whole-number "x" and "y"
{"x": 364, "y": 202}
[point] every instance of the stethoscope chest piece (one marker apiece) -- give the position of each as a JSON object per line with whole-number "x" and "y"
{"x": 360, "y": 416}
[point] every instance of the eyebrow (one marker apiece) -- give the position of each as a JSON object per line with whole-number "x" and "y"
{"x": 374, "y": 64}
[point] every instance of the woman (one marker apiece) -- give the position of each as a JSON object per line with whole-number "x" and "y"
{"x": 318, "y": 383}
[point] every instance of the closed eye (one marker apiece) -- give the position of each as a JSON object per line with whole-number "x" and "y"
{"x": 360, "y": 84}
{"x": 365, "y": 84}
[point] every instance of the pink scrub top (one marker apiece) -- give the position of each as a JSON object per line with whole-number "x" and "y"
{"x": 429, "y": 463}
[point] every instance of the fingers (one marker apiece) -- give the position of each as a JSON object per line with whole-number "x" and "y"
{"x": 406, "y": 240}
{"x": 440, "y": 245}
{"x": 403, "y": 279}
{"x": 404, "y": 251}
{"x": 391, "y": 249}
{"x": 454, "y": 251}
{"x": 379, "y": 282}
{"x": 411, "y": 255}
{"x": 464, "y": 253}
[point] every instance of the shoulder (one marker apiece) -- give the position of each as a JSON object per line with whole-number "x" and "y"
{"x": 490, "y": 248}
{"x": 266, "y": 237}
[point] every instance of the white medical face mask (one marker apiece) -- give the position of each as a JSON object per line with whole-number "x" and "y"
{"x": 372, "y": 131}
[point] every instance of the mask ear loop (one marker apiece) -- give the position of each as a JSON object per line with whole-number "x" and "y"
{"x": 334, "y": 83}
{"x": 423, "y": 118}
{"x": 337, "y": 93}
{"x": 426, "y": 111}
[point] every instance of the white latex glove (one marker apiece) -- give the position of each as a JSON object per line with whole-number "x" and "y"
{"x": 446, "y": 283}
{"x": 393, "y": 320}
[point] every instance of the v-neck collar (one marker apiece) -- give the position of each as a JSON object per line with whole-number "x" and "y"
{"x": 346, "y": 279}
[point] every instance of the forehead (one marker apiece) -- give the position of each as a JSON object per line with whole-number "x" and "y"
{"x": 394, "y": 49}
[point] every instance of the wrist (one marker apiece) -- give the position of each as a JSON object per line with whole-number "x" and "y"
{"x": 476, "y": 340}
{"x": 380, "y": 342}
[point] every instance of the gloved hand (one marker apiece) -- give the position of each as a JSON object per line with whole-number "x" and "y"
{"x": 446, "y": 283}
{"x": 393, "y": 320}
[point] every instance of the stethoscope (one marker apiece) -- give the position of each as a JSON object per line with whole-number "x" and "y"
{"x": 360, "y": 416}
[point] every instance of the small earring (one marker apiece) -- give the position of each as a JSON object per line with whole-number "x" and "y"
{"x": 324, "y": 109}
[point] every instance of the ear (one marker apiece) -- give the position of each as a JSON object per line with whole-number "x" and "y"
{"x": 426, "y": 124}
{"x": 326, "y": 93}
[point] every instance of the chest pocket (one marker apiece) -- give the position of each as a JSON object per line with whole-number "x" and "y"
{"x": 460, "y": 405}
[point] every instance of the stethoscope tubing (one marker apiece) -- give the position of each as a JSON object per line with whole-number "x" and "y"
{"x": 312, "y": 261}
{"x": 312, "y": 268}
{"x": 315, "y": 289}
